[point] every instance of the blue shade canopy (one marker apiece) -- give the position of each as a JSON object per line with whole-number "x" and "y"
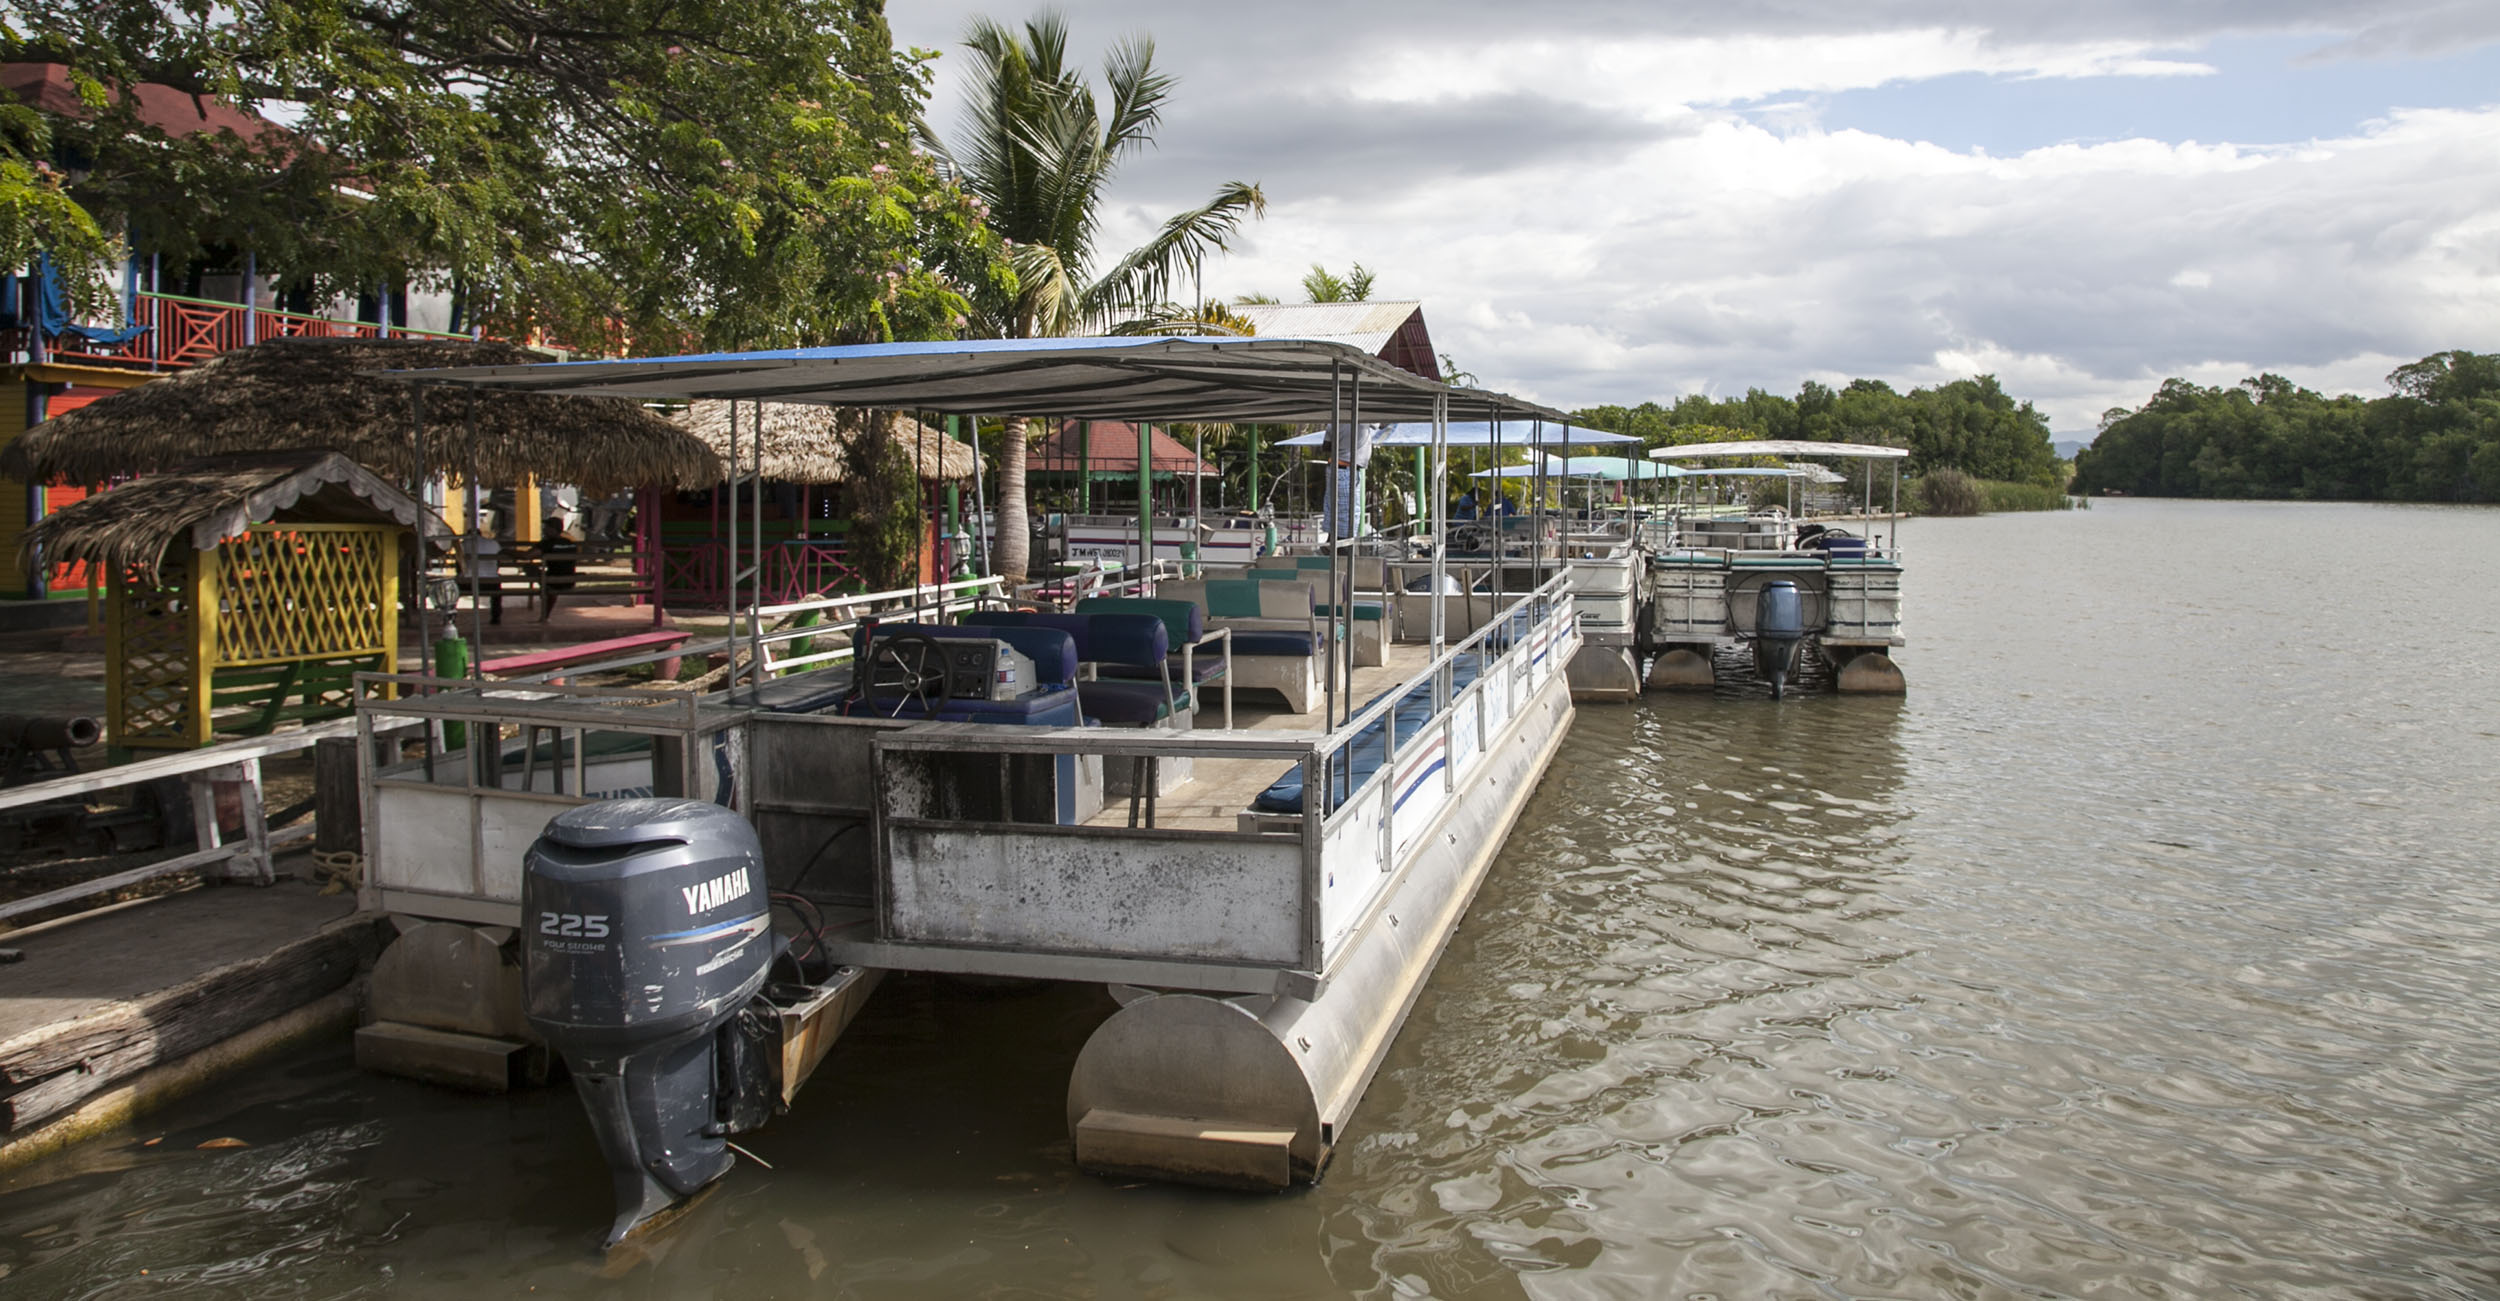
{"x": 1121, "y": 378}
{"x": 1745, "y": 472}
{"x": 1780, "y": 447}
{"x": 1471, "y": 433}
{"x": 1613, "y": 469}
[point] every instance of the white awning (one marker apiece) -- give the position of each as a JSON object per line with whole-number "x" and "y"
{"x": 1779, "y": 447}
{"x": 1123, "y": 378}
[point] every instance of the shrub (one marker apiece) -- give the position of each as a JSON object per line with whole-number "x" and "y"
{"x": 2023, "y": 496}
{"x": 1947, "y": 491}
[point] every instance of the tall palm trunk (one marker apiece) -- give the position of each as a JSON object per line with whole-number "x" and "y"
{"x": 1014, "y": 553}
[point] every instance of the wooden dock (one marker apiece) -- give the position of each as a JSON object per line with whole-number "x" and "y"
{"x": 105, "y": 997}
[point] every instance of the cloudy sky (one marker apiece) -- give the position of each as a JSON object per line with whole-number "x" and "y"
{"x": 1618, "y": 200}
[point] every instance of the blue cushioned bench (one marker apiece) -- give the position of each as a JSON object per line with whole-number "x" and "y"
{"x": 1184, "y": 629}
{"x": 1370, "y": 748}
{"x": 1130, "y": 640}
{"x": 1052, "y": 651}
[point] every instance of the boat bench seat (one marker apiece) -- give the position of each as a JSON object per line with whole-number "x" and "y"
{"x": 1184, "y": 627}
{"x": 1370, "y": 748}
{"x": 1277, "y": 639}
{"x": 1129, "y": 640}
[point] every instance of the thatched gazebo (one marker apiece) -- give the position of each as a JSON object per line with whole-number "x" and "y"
{"x": 298, "y": 394}
{"x": 805, "y": 443}
{"x": 808, "y": 454}
{"x": 238, "y": 584}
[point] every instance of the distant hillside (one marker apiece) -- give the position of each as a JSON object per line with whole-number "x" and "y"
{"x": 2067, "y": 447}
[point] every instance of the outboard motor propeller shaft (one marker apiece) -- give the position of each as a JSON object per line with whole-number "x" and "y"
{"x": 647, "y": 933}
{"x": 1779, "y": 623}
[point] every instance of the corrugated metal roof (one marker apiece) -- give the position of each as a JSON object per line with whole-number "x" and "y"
{"x": 1110, "y": 449}
{"x": 1368, "y": 325}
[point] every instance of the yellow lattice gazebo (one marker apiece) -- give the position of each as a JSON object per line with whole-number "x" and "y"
{"x": 244, "y": 591}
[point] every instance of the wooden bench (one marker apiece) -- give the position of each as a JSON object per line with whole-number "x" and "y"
{"x": 589, "y": 652}
{"x": 323, "y": 688}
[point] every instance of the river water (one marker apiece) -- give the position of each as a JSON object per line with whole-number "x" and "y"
{"x": 2150, "y": 947}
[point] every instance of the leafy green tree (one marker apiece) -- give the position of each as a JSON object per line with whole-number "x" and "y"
{"x": 1040, "y": 152}
{"x": 2435, "y": 437}
{"x": 733, "y": 174}
{"x": 38, "y": 216}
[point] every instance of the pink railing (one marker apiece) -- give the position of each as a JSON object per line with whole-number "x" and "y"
{"x": 186, "y": 331}
{"x": 695, "y": 573}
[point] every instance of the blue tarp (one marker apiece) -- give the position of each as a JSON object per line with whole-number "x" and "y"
{"x": 52, "y": 308}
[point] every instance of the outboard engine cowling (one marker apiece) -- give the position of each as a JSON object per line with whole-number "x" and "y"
{"x": 1779, "y": 623}
{"x": 647, "y": 934}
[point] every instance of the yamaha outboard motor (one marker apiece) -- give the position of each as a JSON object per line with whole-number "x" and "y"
{"x": 647, "y": 936}
{"x": 1779, "y": 623}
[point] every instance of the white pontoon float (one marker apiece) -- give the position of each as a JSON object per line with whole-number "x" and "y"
{"x": 1818, "y": 585}
{"x": 1265, "y": 893}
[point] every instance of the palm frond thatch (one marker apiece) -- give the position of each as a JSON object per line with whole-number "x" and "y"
{"x": 130, "y": 529}
{"x": 320, "y": 394}
{"x": 806, "y": 443}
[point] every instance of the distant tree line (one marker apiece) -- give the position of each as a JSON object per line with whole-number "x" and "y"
{"x": 2436, "y": 437}
{"x": 1971, "y": 425}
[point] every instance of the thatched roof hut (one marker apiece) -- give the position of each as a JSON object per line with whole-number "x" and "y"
{"x": 322, "y": 395}
{"x": 195, "y": 505}
{"x": 807, "y": 443}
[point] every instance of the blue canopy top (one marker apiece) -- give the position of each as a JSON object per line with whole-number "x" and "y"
{"x": 1474, "y": 433}
{"x": 1611, "y": 468}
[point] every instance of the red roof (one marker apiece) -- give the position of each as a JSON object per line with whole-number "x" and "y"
{"x": 176, "y": 112}
{"x": 1110, "y": 449}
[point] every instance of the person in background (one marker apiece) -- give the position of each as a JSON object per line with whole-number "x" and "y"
{"x": 606, "y": 522}
{"x": 481, "y": 571}
{"x": 559, "y": 559}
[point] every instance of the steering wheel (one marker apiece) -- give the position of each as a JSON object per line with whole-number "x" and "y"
{"x": 912, "y": 665}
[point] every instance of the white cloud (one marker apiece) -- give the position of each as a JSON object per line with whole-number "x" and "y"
{"x": 1595, "y": 214}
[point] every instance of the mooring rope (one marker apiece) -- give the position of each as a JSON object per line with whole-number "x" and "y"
{"x": 340, "y": 871}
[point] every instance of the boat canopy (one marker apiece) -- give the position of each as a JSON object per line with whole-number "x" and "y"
{"x": 1745, "y": 472}
{"x": 1123, "y": 378}
{"x": 1779, "y": 447}
{"x": 1473, "y": 433}
{"x": 1610, "y": 468}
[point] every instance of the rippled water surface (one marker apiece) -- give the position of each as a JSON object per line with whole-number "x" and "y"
{"x": 2150, "y": 947}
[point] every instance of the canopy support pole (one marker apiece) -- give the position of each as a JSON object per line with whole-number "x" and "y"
{"x": 1439, "y": 498}
{"x": 755, "y": 591}
{"x": 980, "y": 501}
{"x": 1343, "y": 629}
{"x": 1336, "y": 449}
{"x": 477, "y": 556}
{"x": 1145, "y": 503}
{"x": 425, "y": 613}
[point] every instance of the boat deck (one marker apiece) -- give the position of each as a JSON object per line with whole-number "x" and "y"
{"x": 1220, "y": 790}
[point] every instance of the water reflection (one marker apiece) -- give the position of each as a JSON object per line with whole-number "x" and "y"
{"x": 1689, "y": 917}
{"x": 2146, "y": 948}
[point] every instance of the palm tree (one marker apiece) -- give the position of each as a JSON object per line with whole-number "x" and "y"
{"x": 1325, "y": 286}
{"x": 1040, "y": 154}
